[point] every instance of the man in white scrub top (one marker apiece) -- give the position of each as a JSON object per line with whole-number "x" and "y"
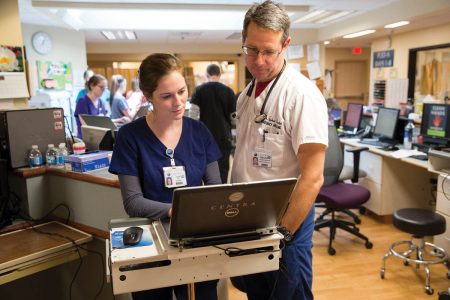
{"x": 282, "y": 131}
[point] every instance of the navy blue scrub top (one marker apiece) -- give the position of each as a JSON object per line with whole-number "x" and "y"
{"x": 138, "y": 152}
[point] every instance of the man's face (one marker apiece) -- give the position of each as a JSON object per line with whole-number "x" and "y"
{"x": 264, "y": 59}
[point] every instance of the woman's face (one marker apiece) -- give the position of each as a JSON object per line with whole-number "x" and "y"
{"x": 98, "y": 89}
{"x": 169, "y": 98}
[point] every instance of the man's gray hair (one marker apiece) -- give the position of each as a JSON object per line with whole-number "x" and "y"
{"x": 268, "y": 15}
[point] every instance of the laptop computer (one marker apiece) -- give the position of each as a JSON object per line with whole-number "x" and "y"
{"x": 143, "y": 111}
{"x": 220, "y": 214}
{"x": 97, "y": 121}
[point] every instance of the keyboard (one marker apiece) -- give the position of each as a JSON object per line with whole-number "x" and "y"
{"x": 420, "y": 156}
{"x": 376, "y": 143}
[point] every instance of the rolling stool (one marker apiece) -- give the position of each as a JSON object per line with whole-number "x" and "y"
{"x": 419, "y": 223}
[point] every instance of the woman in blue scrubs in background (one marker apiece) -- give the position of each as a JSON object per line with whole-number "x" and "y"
{"x": 163, "y": 145}
{"x": 91, "y": 103}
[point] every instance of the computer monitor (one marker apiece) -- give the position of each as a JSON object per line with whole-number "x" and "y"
{"x": 435, "y": 127}
{"x": 97, "y": 138}
{"x": 386, "y": 123}
{"x": 97, "y": 121}
{"x": 353, "y": 118}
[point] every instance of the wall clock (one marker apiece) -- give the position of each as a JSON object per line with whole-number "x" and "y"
{"x": 42, "y": 42}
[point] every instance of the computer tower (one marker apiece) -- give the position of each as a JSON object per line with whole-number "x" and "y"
{"x": 22, "y": 128}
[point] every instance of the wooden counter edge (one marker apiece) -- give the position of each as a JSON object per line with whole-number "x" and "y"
{"x": 34, "y": 172}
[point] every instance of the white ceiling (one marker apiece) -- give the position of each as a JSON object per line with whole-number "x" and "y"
{"x": 212, "y": 21}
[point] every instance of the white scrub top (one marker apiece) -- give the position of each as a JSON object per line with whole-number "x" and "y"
{"x": 296, "y": 114}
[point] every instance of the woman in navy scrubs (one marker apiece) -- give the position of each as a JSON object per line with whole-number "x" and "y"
{"x": 164, "y": 145}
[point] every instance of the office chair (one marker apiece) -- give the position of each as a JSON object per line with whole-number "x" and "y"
{"x": 353, "y": 174}
{"x": 339, "y": 196}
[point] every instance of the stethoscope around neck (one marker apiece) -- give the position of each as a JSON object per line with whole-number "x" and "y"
{"x": 262, "y": 115}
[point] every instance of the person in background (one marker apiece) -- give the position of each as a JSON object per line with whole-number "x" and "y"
{"x": 217, "y": 102}
{"x": 135, "y": 98}
{"x": 86, "y": 75}
{"x": 91, "y": 104}
{"x": 105, "y": 96}
{"x": 282, "y": 121}
{"x": 163, "y": 145}
{"x": 120, "y": 110}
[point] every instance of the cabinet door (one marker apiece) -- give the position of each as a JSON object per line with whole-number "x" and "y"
{"x": 443, "y": 240}
{"x": 369, "y": 162}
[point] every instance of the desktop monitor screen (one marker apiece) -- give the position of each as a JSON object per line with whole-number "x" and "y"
{"x": 435, "y": 127}
{"x": 335, "y": 113}
{"x": 97, "y": 138}
{"x": 386, "y": 123}
{"x": 353, "y": 117}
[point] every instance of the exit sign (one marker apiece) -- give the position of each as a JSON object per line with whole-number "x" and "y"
{"x": 357, "y": 50}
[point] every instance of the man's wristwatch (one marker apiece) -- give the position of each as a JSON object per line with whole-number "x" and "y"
{"x": 288, "y": 236}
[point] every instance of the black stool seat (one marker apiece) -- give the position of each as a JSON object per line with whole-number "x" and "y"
{"x": 419, "y": 222}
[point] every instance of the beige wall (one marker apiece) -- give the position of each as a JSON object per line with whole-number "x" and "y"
{"x": 96, "y": 59}
{"x": 68, "y": 46}
{"x": 333, "y": 55}
{"x": 401, "y": 44}
{"x": 11, "y": 34}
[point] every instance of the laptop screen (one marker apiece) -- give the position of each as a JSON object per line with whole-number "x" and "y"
{"x": 98, "y": 121}
{"x": 203, "y": 211}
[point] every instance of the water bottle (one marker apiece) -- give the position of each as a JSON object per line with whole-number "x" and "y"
{"x": 50, "y": 156}
{"x": 62, "y": 152}
{"x": 409, "y": 133}
{"x": 35, "y": 157}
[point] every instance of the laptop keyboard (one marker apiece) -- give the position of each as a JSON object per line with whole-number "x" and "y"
{"x": 376, "y": 143}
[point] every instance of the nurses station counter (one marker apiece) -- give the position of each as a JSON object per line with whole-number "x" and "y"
{"x": 94, "y": 200}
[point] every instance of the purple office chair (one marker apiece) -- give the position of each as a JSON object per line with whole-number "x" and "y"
{"x": 338, "y": 196}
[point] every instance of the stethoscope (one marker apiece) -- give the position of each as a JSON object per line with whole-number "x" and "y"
{"x": 262, "y": 115}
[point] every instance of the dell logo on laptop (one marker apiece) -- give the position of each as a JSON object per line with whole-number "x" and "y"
{"x": 237, "y": 196}
{"x": 231, "y": 212}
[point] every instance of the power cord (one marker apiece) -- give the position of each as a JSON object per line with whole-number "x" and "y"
{"x": 28, "y": 219}
{"x": 446, "y": 176}
{"x": 235, "y": 251}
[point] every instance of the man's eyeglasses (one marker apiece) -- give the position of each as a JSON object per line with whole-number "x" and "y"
{"x": 253, "y": 52}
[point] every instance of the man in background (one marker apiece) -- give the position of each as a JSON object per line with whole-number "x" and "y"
{"x": 217, "y": 102}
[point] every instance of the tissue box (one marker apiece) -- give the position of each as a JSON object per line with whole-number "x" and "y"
{"x": 86, "y": 162}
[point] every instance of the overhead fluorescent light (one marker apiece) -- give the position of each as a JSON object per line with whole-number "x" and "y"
{"x": 130, "y": 35}
{"x": 323, "y": 16}
{"x": 357, "y": 34}
{"x": 326, "y": 42}
{"x": 310, "y": 16}
{"x": 120, "y": 35}
{"x": 109, "y": 35}
{"x": 397, "y": 24}
{"x": 335, "y": 16}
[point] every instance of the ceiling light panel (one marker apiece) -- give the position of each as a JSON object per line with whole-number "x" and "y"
{"x": 323, "y": 16}
{"x": 360, "y": 33}
{"x": 397, "y": 24}
{"x": 109, "y": 35}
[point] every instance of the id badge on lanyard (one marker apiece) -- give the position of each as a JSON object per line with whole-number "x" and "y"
{"x": 262, "y": 157}
{"x": 174, "y": 176}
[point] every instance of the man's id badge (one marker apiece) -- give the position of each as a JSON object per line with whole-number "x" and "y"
{"x": 262, "y": 158}
{"x": 174, "y": 176}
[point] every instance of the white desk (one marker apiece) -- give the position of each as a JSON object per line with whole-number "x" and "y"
{"x": 394, "y": 183}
